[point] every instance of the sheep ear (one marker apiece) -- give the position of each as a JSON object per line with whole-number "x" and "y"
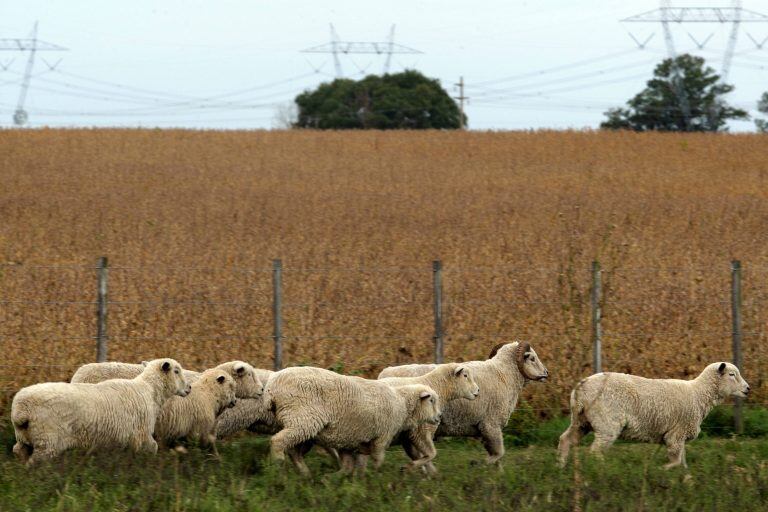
{"x": 240, "y": 370}
{"x": 721, "y": 369}
{"x": 425, "y": 394}
{"x": 458, "y": 371}
{"x": 144, "y": 363}
{"x": 166, "y": 367}
{"x": 220, "y": 379}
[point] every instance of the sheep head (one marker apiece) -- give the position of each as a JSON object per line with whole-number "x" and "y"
{"x": 528, "y": 363}
{"x": 729, "y": 381}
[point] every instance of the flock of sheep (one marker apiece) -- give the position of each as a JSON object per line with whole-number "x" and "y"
{"x": 137, "y": 406}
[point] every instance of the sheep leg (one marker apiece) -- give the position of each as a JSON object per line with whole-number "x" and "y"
{"x": 331, "y": 452}
{"x": 347, "y": 462}
{"x": 361, "y": 464}
{"x": 570, "y": 437}
{"x": 289, "y": 437}
{"x": 675, "y": 452}
{"x": 22, "y": 451}
{"x": 493, "y": 440}
{"x": 296, "y": 455}
{"x": 603, "y": 441}
{"x": 378, "y": 449}
{"x": 420, "y": 448}
{"x": 145, "y": 444}
{"x": 209, "y": 440}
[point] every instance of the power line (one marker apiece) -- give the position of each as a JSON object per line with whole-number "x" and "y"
{"x": 556, "y": 69}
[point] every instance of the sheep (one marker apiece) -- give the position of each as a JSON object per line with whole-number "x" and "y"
{"x": 452, "y": 381}
{"x": 501, "y": 379}
{"x": 342, "y": 412}
{"x": 53, "y": 417}
{"x": 253, "y": 414}
{"x": 248, "y": 383}
{"x": 179, "y": 418}
{"x": 669, "y": 411}
{"x": 195, "y": 417}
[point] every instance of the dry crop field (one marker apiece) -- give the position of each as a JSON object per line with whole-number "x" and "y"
{"x": 191, "y": 221}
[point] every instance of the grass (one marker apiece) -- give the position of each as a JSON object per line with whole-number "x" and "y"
{"x": 724, "y": 473}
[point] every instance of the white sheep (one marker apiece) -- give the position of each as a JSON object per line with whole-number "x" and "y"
{"x": 345, "y": 413}
{"x": 53, "y": 417}
{"x": 669, "y": 411}
{"x": 194, "y": 417}
{"x": 247, "y": 381}
{"x": 451, "y": 381}
{"x": 182, "y": 418}
{"x": 501, "y": 379}
{"x": 253, "y": 414}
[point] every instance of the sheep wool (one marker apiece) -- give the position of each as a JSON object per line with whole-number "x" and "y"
{"x": 501, "y": 379}
{"x": 344, "y": 413}
{"x": 53, "y": 417}
{"x": 668, "y": 411}
{"x": 253, "y": 414}
{"x": 247, "y": 381}
{"x": 194, "y": 417}
{"x": 451, "y": 381}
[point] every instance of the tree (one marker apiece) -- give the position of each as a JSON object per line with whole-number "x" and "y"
{"x": 762, "y": 106}
{"x": 679, "y": 85}
{"x": 286, "y": 115}
{"x": 406, "y": 100}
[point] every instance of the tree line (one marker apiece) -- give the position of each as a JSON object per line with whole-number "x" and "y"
{"x": 684, "y": 95}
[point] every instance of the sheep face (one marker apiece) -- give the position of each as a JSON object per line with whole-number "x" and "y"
{"x": 532, "y": 367}
{"x": 521, "y": 353}
{"x": 171, "y": 373}
{"x": 246, "y": 381}
{"x": 465, "y": 382}
{"x": 227, "y": 391}
{"x": 428, "y": 409}
{"x": 730, "y": 381}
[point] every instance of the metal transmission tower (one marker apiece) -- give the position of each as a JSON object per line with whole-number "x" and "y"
{"x": 338, "y": 47}
{"x": 667, "y": 14}
{"x": 31, "y": 45}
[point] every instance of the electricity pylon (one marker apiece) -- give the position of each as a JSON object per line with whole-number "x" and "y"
{"x": 31, "y": 45}
{"x": 338, "y": 47}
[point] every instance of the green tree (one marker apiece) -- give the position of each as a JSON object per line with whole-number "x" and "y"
{"x": 661, "y": 106}
{"x": 406, "y": 100}
{"x": 762, "y": 106}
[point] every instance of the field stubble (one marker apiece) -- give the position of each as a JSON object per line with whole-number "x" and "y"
{"x": 191, "y": 221}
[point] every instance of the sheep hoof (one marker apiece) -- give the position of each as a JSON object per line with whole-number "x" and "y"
{"x": 179, "y": 449}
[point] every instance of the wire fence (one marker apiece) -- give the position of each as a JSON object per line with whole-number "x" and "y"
{"x": 52, "y": 316}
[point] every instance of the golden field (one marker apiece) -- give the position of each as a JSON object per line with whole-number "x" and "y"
{"x": 191, "y": 221}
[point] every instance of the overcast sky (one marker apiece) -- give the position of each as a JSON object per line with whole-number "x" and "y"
{"x": 232, "y": 63}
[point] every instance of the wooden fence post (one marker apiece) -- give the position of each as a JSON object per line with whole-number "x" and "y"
{"x": 277, "y": 303}
{"x": 101, "y": 312}
{"x": 597, "y": 329}
{"x": 738, "y": 420}
{"x": 437, "y": 284}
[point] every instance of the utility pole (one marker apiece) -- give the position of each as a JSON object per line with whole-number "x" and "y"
{"x": 31, "y": 45}
{"x": 461, "y": 98}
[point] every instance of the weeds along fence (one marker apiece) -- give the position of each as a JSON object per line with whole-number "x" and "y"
{"x": 656, "y": 322}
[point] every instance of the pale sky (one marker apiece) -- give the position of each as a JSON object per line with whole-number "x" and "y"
{"x": 231, "y": 63}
